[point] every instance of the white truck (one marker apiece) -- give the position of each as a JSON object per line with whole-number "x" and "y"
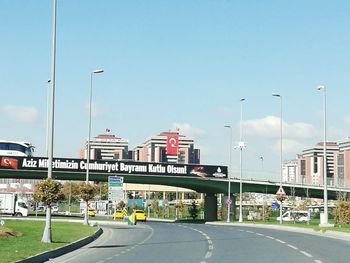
{"x": 10, "y": 204}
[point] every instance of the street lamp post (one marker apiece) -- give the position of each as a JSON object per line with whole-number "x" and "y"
{"x": 46, "y": 238}
{"x": 281, "y": 158}
{"x": 229, "y": 177}
{"x": 241, "y": 146}
{"x": 98, "y": 71}
{"x": 88, "y": 143}
{"x": 324, "y": 218}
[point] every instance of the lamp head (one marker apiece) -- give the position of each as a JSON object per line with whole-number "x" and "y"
{"x": 276, "y": 95}
{"x": 321, "y": 87}
{"x": 97, "y": 71}
{"x": 242, "y": 99}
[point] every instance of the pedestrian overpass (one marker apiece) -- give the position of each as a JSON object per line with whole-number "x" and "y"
{"x": 207, "y": 179}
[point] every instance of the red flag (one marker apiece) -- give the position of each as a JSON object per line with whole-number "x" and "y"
{"x": 172, "y": 144}
{"x": 9, "y": 162}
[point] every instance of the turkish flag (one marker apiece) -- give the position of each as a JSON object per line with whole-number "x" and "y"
{"x": 9, "y": 162}
{"x": 172, "y": 144}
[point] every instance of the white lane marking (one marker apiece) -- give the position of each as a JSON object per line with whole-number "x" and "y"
{"x": 318, "y": 261}
{"x": 291, "y": 246}
{"x": 281, "y": 241}
{"x": 259, "y": 234}
{"x": 306, "y": 254}
{"x": 270, "y": 237}
{"x": 210, "y": 243}
{"x": 248, "y": 231}
{"x": 240, "y": 230}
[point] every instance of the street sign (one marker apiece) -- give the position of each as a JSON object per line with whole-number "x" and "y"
{"x": 280, "y": 191}
{"x": 280, "y": 194}
{"x": 228, "y": 201}
{"x": 115, "y": 188}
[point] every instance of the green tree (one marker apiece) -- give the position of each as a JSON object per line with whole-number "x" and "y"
{"x": 87, "y": 192}
{"x": 48, "y": 191}
{"x": 70, "y": 191}
{"x": 155, "y": 206}
{"x": 341, "y": 212}
{"x": 193, "y": 210}
{"x": 266, "y": 211}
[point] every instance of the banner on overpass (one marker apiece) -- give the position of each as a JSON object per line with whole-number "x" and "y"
{"x": 113, "y": 167}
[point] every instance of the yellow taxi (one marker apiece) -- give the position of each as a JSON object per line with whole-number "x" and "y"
{"x": 91, "y": 212}
{"x": 118, "y": 214}
{"x": 140, "y": 215}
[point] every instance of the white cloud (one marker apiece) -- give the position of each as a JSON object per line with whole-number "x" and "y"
{"x": 188, "y": 130}
{"x": 289, "y": 148}
{"x": 270, "y": 127}
{"x": 26, "y": 115}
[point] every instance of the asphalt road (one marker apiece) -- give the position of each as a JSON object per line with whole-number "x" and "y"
{"x": 200, "y": 243}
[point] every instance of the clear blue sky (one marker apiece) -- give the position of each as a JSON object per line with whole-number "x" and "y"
{"x": 181, "y": 63}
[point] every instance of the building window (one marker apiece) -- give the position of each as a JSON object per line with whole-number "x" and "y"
{"x": 340, "y": 159}
{"x": 302, "y": 167}
{"x": 315, "y": 165}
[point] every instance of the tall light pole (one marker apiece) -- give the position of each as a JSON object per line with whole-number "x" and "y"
{"x": 86, "y": 217}
{"x": 281, "y": 158}
{"x": 48, "y": 116}
{"x": 240, "y": 146}
{"x": 324, "y": 219}
{"x": 46, "y": 238}
{"x": 229, "y": 178}
{"x": 98, "y": 71}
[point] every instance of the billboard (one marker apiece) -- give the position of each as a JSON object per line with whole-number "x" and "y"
{"x": 113, "y": 167}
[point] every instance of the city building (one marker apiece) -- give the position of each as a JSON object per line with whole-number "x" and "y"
{"x": 310, "y": 164}
{"x": 107, "y": 146}
{"x": 290, "y": 172}
{"x": 169, "y": 147}
{"x": 343, "y": 163}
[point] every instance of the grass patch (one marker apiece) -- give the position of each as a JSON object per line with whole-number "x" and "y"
{"x": 29, "y": 243}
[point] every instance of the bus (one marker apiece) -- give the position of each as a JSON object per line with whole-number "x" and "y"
{"x": 15, "y": 148}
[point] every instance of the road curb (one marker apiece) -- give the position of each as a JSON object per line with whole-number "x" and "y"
{"x": 323, "y": 233}
{"x": 42, "y": 257}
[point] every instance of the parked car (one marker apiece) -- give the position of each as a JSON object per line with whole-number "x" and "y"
{"x": 296, "y": 216}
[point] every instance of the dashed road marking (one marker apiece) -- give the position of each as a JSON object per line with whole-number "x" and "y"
{"x": 306, "y": 254}
{"x": 291, "y": 246}
{"x": 208, "y": 255}
{"x": 281, "y": 241}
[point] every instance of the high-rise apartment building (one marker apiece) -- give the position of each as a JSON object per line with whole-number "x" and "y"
{"x": 169, "y": 147}
{"x": 343, "y": 163}
{"x": 107, "y": 146}
{"x": 310, "y": 164}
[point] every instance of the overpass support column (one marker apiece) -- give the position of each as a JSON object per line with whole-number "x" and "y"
{"x": 210, "y": 207}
